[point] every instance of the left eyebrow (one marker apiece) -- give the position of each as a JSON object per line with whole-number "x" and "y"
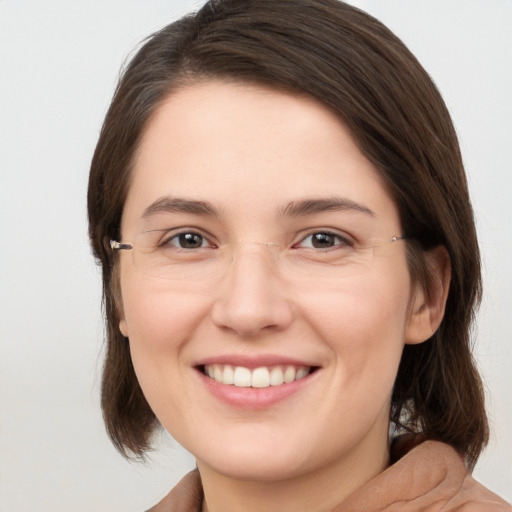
{"x": 312, "y": 206}
{"x": 170, "y": 204}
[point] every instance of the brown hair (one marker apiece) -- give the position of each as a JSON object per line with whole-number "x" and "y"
{"x": 353, "y": 64}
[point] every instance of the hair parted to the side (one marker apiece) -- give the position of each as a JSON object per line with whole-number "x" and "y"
{"x": 353, "y": 64}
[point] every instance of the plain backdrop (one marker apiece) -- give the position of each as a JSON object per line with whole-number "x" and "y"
{"x": 59, "y": 61}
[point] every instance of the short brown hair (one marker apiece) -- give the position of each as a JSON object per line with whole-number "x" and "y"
{"x": 352, "y": 63}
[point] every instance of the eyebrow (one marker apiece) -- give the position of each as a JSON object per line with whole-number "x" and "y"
{"x": 312, "y": 206}
{"x": 169, "y": 204}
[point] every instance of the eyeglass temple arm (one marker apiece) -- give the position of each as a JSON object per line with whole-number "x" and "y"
{"x": 120, "y": 246}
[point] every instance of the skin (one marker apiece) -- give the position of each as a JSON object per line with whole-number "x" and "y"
{"x": 258, "y": 290}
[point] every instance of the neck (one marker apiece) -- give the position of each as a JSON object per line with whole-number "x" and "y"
{"x": 320, "y": 490}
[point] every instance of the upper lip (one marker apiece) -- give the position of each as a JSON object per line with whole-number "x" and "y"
{"x": 252, "y": 362}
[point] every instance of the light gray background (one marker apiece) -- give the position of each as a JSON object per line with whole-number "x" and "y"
{"x": 59, "y": 61}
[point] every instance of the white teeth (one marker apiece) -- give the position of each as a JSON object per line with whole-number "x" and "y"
{"x": 289, "y": 374}
{"x": 217, "y": 372}
{"x": 242, "y": 377}
{"x": 261, "y": 377}
{"x": 228, "y": 376}
{"x": 276, "y": 376}
{"x": 301, "y": 373}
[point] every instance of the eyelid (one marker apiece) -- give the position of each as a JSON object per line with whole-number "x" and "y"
{"x": 171, "y": 233}
{"x": 346, "y": 240}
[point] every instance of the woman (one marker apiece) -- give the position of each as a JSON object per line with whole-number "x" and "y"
{"x": 289, "y": 260}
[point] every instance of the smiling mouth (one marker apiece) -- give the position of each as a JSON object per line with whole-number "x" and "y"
{"x": 262, "y": 377}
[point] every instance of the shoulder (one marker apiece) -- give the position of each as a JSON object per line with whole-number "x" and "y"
{"x": 474, "y": 497}
{"x": 428, "y": 475}
{"x": 463, "y": 493}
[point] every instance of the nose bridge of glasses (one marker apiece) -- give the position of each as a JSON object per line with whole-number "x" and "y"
{"x": 241, "y": 242}
{"x": 253, "y": 261}
{"x": 253, "y": 268}
{"x": 255, "y": 248}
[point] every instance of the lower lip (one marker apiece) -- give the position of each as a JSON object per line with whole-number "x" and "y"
{"x": 254, "y": 398}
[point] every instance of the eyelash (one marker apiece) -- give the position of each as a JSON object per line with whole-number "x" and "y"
{"x": 168, "y": 241}
{"x": 342, "y": 241}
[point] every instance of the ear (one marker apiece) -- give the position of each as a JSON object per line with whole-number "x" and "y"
{"x": 427, "y": 310}
{"x": 123, "y": 327}
{"x": 118, "y": 301}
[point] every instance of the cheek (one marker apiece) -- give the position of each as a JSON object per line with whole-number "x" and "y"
{"x": 159, "y": 314}
{"x": 160, "y": 321}
{"x": 364, "y": 326}
{"x": 377, "y": 302}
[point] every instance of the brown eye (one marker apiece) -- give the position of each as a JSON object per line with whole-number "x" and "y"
{"x": 188, "y": 241}
{"x": 323, "y": 240}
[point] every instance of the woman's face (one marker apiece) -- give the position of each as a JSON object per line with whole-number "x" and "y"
{"x": 265, "y": 304}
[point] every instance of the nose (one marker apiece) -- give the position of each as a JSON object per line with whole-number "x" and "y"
{"x": 252, "y": 298}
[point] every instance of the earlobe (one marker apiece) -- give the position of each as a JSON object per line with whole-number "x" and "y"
{"x": 123, "y": 327}
{"x": 428, "y": 305}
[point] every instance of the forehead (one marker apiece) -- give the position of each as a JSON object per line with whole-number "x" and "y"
{"x": 238, "y": 145}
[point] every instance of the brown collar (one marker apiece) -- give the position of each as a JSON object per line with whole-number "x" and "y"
{"x": 431, "y": 476}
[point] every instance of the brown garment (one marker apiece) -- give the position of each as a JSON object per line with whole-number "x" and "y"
{"x": 431, "y": 477}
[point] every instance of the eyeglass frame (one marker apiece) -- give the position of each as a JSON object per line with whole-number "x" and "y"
{"x": 127, "y": 246}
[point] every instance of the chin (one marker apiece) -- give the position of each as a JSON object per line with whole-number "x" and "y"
{"x": 264, "y": 469}
{"x": 263, "y": 461}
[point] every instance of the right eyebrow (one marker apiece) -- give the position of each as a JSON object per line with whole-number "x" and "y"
{"x": 170, "y": 204}
{"x": 313, "y": 206}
